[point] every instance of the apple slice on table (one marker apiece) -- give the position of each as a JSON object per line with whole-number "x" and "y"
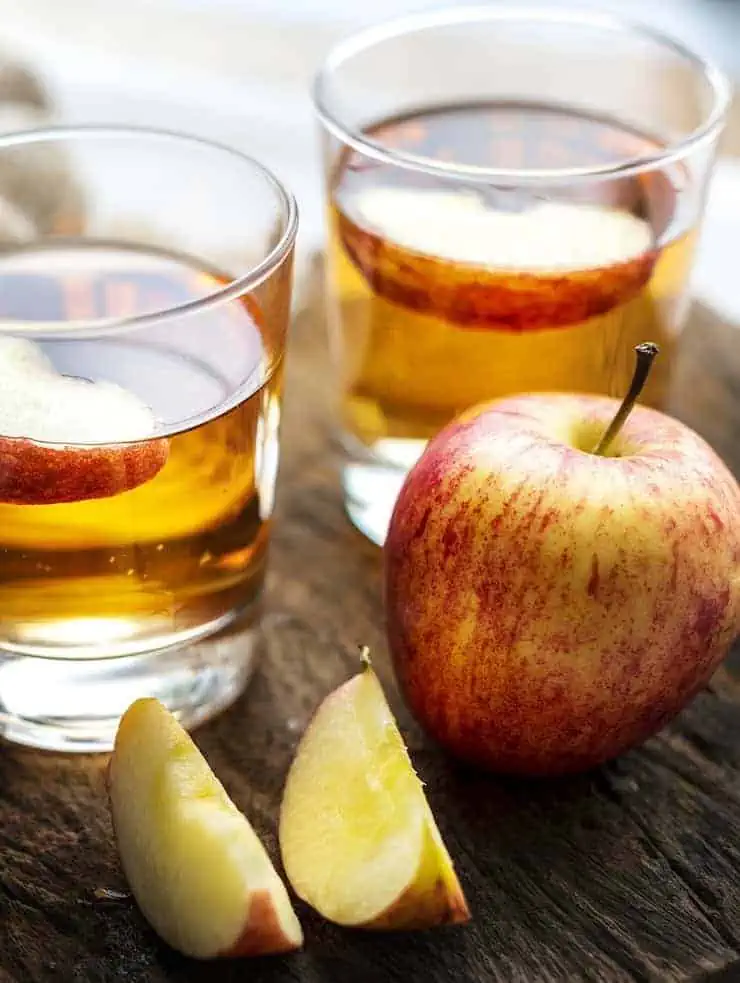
{"x": 451, "y": 255}
{"x": 69, "y": 440}
{"x": 194, "y": 864}
{"x": 358, "y": 839}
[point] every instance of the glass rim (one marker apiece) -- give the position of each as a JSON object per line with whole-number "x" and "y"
{"x": 369, "y": 37}
{"x": 236, "y": 286}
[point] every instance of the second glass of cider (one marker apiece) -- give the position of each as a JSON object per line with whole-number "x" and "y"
{"x": 513, "y": 202}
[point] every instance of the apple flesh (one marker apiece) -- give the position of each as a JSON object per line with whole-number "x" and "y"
{"x": 194, "y": 864}
{"x": 68, "y": 440}
{"x": 547, "y": 607}
{"x": 449, "y": 255}
{"x": 358, "y": 839}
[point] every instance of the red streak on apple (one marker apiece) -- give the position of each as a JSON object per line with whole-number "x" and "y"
{"x": 549, "y": 608}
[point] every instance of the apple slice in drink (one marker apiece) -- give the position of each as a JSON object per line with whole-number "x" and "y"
{"x": 450, "y": 255}
{"x": 68, "y": 440}
{"x": 194, "y": 864}
{"x": 358, "y": 839}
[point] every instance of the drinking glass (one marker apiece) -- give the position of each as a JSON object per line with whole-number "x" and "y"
{"x": 513, "y": 204}
{"x": 144, "y": 301}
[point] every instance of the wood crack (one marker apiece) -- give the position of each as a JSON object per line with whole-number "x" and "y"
{"x": 699, "y": 894}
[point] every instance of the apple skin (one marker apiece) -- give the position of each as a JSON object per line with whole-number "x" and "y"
{"x": 548, "y": 608}
{"x": 263, "y": 934}
{"x": 39, "y": 474}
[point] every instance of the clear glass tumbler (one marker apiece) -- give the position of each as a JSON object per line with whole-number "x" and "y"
{"x": 145, "y": 285}
{"x": 513, "y": 203}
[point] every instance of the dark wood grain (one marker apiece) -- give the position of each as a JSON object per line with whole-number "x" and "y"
{"x": 631, "y": 873}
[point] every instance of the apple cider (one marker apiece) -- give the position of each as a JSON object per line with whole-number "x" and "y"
{"x": 121, "y": 545}
{"x": 444, "y": 294}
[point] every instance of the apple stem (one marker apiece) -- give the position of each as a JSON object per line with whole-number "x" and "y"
{"x": 365, "y": 656}
{"x": 645, "y": 352}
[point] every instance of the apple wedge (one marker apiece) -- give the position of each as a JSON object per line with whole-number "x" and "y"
{"x": 194, "y": 864}
{"x": 69, "y": 440}
{"x": 358, "y": 839}
{"x": 450, "y": 255}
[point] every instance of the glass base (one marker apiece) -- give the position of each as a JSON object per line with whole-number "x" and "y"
{"x": 372, "y": 479}
{"x": 76, "y": 704}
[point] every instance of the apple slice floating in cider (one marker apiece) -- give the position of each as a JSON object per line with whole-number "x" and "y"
{"x": 194, "y": 864}
{"x": 65, "y": 439}
{"x": 451, "y": 255}
{"x": 358, "y": 839}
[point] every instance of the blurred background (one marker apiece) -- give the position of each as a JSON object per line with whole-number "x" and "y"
{"x": 240, "y": 70}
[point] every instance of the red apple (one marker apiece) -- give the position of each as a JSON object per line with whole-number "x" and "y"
{"x": 549, "y": 607}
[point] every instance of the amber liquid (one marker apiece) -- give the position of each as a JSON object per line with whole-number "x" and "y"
{"x": 185, "y": 550}
{"x": 410, "y": 359}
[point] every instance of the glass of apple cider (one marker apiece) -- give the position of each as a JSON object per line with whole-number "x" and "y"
{"x": 144, "y": 301}
{"x": 513, "y": 203}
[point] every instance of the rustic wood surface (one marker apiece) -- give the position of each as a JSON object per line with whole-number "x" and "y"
{"x": 630, "y": 873}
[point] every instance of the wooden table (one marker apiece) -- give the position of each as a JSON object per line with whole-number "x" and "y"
{"x": 631, "y": 873}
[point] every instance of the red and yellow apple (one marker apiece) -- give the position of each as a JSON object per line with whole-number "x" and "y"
{"x": 195, "y": 865}
{"x": 548, "y": 607}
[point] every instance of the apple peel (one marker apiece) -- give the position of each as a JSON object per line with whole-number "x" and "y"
{"x": 66, "y": 439}
{"x": 451, "y": 256}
